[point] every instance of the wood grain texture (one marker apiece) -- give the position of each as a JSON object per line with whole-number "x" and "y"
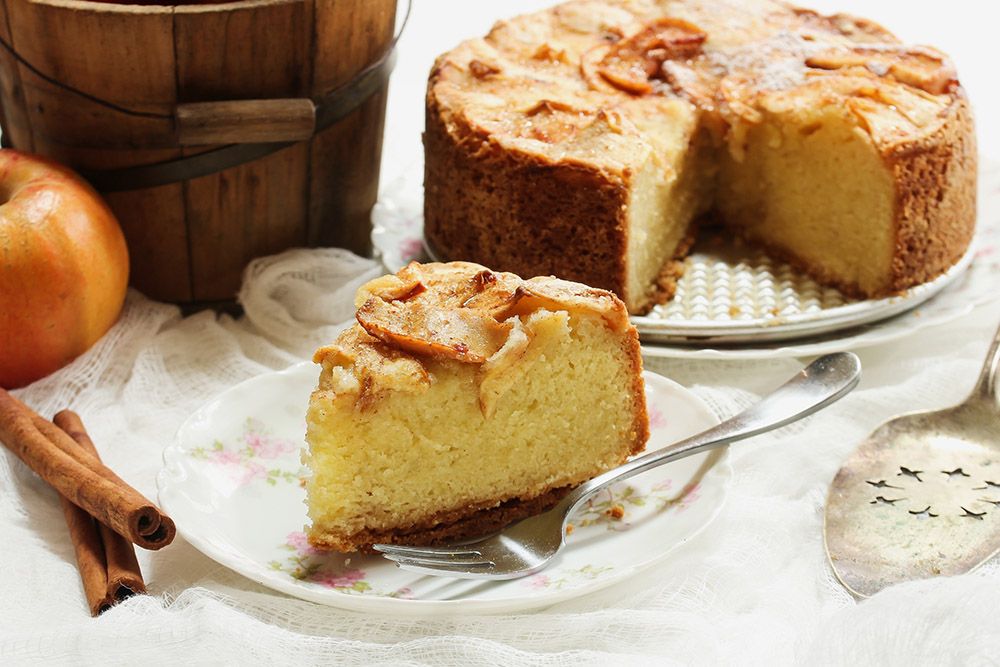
{"x": 190, "y": 241}
{"x": 126, "y": 55}
{"x": 13, "y": 112}
{"x": 344, "y": 183}
{"x": 156, "y": 231}
{"x": 121, "y": 53}
{"x": 245, "y": 212}
{"x": 345, "y": 157}
{"x": 243, "y": 50}
{"x": 256, "y": 208}
{"x": 245, "y": 121}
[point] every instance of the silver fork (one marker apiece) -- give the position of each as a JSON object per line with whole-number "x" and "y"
{"x": 529, "y": 545}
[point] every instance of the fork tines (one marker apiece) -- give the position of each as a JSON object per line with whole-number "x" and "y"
{"x": 440, "y": 558}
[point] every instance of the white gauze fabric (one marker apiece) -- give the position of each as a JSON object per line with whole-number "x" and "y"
{"x": 754, "y": 588}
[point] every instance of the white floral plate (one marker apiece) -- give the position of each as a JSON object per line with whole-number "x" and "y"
{"x": 231, "y": 481}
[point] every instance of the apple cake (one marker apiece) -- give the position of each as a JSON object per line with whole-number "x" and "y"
{"x": 464, "y": 399}
{"x": 586, "y": 141}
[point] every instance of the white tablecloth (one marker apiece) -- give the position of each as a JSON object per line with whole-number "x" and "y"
{"x": 753, "y": 588}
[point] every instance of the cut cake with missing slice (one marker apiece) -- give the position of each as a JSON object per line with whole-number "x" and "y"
{"x": 589, "y": 140}
{"x": 465, "y": 399}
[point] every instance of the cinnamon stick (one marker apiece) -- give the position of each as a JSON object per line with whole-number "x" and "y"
{"x": 89, "y": 556}
{"x": 80, "y": 477}
{"x": 121, "y": 574}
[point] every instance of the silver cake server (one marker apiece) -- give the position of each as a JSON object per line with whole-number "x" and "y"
{"x": 921, "y": 496}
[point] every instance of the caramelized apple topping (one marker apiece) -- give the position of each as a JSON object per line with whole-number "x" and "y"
{"x": 496, "y": 301}
{"x": 551, "y": 53}
{"x": 612, "y": 34}
{"x": 378, "y": 366}
{"x": 588, "y": 18}
{"x": 481, "y": 70}
{"x": 553, "y": 121}
{"x": 920, "y": 67}
{"x": 454, "y": 283}
{"x": 485, "y": 291}
{"x": 891, "y": 112}
{"x": 484, "y": 279}
{"x": 550, "y": 107}
{"x": 389, "y": 288}
{"x": 590, "y": 67}
{"x": 465, "y": 312}
{"x": 631, "y": 63}
{"x": 695, "y": 84}
{"x": 417, "y": 290}
{"x": 544, "y": 293}
{"x": 427, "y": 329}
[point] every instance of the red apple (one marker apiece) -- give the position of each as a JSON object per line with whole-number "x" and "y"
{"x": 63, "y": 267}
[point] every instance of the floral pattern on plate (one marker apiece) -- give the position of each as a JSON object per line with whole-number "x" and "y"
{"x": 255, "y": 455}
{"x": 306, "y": 563}
{"x": 542, "y": 581}
{"x": 227, "y": 503}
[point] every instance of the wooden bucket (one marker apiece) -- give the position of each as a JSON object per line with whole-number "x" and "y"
{"x": 217, "y": 133}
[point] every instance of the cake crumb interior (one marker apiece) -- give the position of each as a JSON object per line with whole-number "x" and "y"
{"x": 417, "y": 455}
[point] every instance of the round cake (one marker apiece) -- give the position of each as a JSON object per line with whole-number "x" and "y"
{"x": 589, "y": 140}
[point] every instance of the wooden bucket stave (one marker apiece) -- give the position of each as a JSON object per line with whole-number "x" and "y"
{"x": 190, "y": 240}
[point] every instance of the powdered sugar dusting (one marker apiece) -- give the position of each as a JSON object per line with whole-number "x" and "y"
{"x": 877, "y": 68}
{"x": 775, "y": 63}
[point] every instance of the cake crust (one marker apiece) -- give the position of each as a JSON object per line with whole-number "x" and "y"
{"x": 520, "y": 189}
{"x": 935, "y": 197}
{"x": 444, "y": 527}
{"x": 520, "y": 210}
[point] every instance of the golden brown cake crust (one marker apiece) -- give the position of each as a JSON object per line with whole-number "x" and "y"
{"x": 444, "y": 527}
{"x": 935, "y": 197}
{"x": 520, "y": 212}
{"x": 506, "y": 185}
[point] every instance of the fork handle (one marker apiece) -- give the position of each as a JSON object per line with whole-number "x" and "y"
{"x": 986, "y": 387}
{"x": 816, "y": 386}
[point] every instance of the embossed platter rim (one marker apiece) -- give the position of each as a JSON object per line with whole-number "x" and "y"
{"x": 805, "y": 322}
{"x": 230, "y": 481}
{"x": 659, "y": 327}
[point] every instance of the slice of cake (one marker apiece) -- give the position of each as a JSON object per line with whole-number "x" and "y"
{"x": 465, "y": 399}
{"x": 588, "y": 140}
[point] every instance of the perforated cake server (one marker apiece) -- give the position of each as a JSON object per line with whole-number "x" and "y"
{"x": 921, "y": 496}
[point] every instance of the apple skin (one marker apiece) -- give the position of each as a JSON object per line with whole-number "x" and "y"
{"x": 63, "y": 267}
